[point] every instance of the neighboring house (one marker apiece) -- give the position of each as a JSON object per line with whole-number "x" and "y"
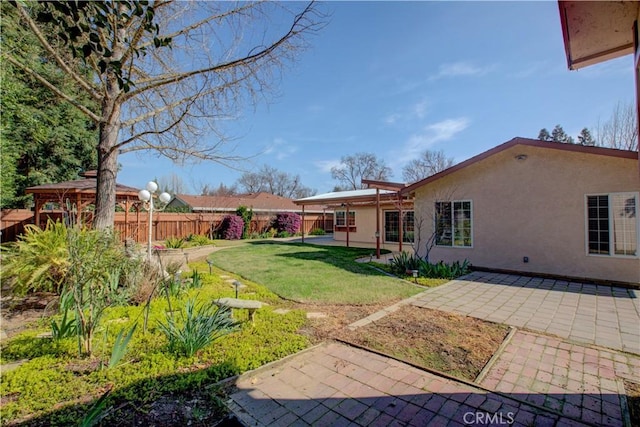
{"x": 265, "y": 206}
{"x": 372, "y": 216}
{"x": 535, "y": 207}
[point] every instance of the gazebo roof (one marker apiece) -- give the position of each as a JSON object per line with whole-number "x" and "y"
{"x": 84, "y": 186}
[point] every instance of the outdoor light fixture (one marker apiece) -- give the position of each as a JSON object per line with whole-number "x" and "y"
{"x": 521, "y": 157}
{"x": 210, "y": 262}
{"x": 146, "y": 196}
{"x": 237, "y": 284}
{"x": 414, "y": 273}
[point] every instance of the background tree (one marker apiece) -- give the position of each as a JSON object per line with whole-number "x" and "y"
{"x": 43, "y": 140}
{"x": 559, "y": 135}
{"x": 585, "y": 137}
{"x": 270, "y": 180}
{"x": 544, "y": 135}
{"x": 221, "y": 190}
{"x": 620, "y": 130}
{"x": 353, "y": 169}
{"x": 429, "y": 163}
{"x": 172, "y": 184}
{"x": 164, "y": 71}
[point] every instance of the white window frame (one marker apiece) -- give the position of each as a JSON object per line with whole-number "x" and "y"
{"x": 611, "y": 253}
{"x": 453, "y": 245}
{"x": 344, "y": 216}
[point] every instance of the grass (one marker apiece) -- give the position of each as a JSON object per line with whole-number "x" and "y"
{"x": 311, "y": 273}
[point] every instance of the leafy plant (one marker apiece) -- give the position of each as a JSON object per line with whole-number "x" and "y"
{"x": 67, "y": 327}
{"x": 199, "y": 240}
{"x": 201, "y": 325}
{"x": 232, "y": 227}
{"x": 403, "y": 262}
{"x": 120, "y": 346}
{"x": 196, "y": 279}
{"x": 246, "y": 214}
{"x": 287, "y": 222}
{"x": 97, "y": 411}
{"x": 174, "y": 243}
{"x": 38, "y": 261}
{"x": 317, "y": 232}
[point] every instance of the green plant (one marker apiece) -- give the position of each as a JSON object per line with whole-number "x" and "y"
{"x": 246, "y": 214}
{"x": 199, "y": 240}
{"x": 196, "y": 280}
{"x": 97, "y": 412}
{"x": 120, "y": 346}
{"x": 317, "y": 232}
{"x": 201, "y": 325}
{"x": 38, "y": 261}
{"x": 174, "y": 243}
{"x": 403, "y": 262}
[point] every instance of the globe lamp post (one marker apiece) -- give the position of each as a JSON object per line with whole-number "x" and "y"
{"x": 146, "y": 196}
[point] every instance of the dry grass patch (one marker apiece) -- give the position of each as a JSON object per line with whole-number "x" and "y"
{"x": 458, "y": 345}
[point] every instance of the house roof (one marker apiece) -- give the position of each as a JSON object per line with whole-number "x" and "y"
{"x": 259, "y": 202}
{"x": 596, "y": 31}
{"x": 336, "y": 198}
{"x": 599, "y": 151}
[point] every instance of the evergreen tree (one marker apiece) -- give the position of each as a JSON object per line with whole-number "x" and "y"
{"x": 544, "y": 135}
{"x": 585, "y": 137}
{"x": 559, "y": 135}
{"x": 43, "y": 140}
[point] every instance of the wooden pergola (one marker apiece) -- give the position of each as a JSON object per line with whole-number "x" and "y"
{"x": 79, "y": 193}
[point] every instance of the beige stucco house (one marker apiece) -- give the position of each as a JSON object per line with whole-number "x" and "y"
{"x": 536, "y": 207}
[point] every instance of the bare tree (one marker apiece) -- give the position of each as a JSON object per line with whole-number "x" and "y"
{"x": 429, "y": 163}
{"x": 353, "y": 169}
{"x": 270, "y": 180}
{"x": 222, "y": 190}
{"x": 167, "y": 73}
{"x": 426, "y": 219}
{"x": 620, "y": 130}
{"x": 172, "y": 184}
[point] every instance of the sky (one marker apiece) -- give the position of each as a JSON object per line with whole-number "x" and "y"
{"x": 397, "y": 78}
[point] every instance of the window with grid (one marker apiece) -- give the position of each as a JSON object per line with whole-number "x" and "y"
{"x": 454, "y": 225}
{"x": 612, "y": 224}
{"x": 341, "y": 218}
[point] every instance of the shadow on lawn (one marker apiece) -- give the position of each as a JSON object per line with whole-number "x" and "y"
{"x": 340, "y": 257}
{"x": 195, "y": 399}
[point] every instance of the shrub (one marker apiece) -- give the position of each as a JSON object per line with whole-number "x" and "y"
{"x": 287, "y": 222}
{"x": 404, "y": 262}
{"x": 317, "y": 232}
{"x": 39, "y": 260}
{"x": 198, "y": 240}
{"x": 232, "y": 227}
{"x": 201, "y": 325}
{"x": 246, "y": 214}
{"x": 174, "y": 243}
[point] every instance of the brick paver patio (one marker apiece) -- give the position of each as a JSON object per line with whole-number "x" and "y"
{"x": 338, "y": 385}
{"x": 568, "y": 373}
{"x": 592, "y": 314}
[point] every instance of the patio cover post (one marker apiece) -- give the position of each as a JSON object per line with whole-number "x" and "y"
{"x": 302, "y": 223}
{"x": 377, "y": 223}
{"x": 400, "y": 224}
{"x": 347, "y": 222}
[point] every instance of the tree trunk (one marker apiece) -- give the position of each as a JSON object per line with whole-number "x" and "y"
{"x": 107, "y": 173}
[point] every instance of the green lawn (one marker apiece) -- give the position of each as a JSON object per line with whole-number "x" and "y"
{"x": 310, "y": 273}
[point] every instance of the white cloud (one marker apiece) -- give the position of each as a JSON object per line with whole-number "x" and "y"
{"x": 417, "y": 111}
{"x": 281, "y": 148}
{"x": 430, "y": 135}
{"x": 461, "y": 68}
{"x": 326, "y": 165}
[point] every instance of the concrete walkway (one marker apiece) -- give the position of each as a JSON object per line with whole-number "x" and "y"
{"x": 534, "y": 379}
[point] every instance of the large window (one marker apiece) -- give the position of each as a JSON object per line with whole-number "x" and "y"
{"x": 341, "y": 219}
{"x": 392, "y": 226}
{"x": 454, "y": 224}
{"x": 612, "y": 224}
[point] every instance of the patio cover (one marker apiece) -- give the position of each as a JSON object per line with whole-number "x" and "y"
{"x": 378, "y": 192}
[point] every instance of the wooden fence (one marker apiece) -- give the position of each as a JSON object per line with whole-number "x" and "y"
{"x": 165, "y": 224}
